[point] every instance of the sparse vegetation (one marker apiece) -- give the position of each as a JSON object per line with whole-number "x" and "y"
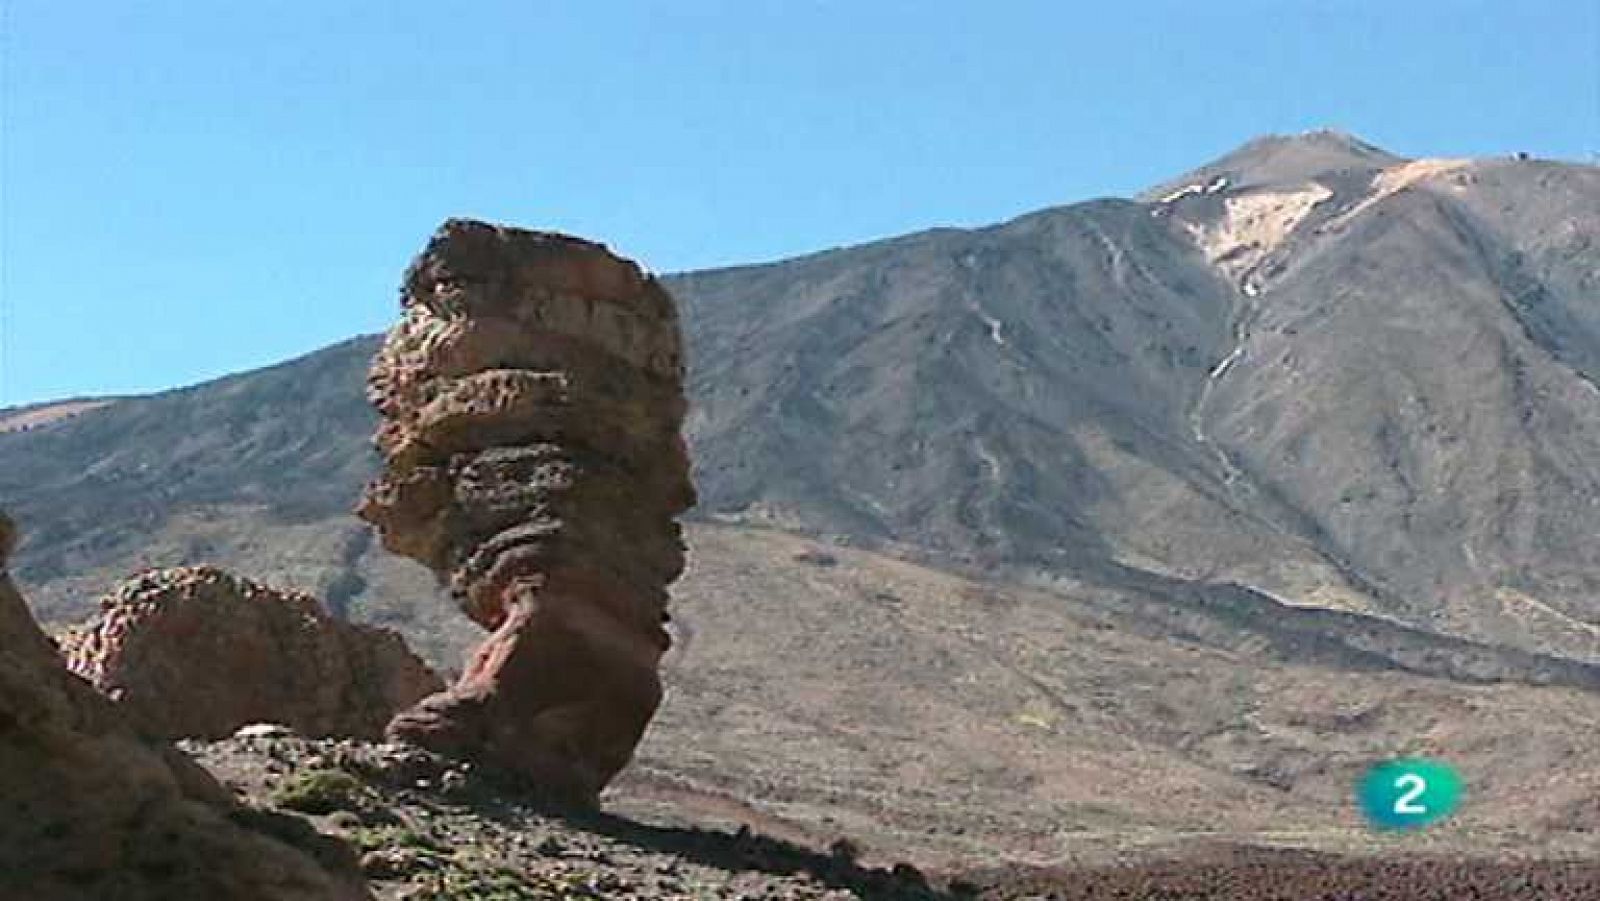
{"x": 320, "y": 792}
{"x": 378, "y": 837}
{"x": 506, "y": 885}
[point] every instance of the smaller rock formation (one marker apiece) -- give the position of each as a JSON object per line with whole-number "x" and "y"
{"x": 89, "y": 810}
{"x": 532, "y": 397}
{"x": 194, "y": 652}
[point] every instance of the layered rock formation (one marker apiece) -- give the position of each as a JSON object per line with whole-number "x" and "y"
{"x": 194, "y": 652}
{"x": 532, "y": 396}
{"x": 88, "y": 810}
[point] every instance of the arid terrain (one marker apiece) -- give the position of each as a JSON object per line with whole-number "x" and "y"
{"x": 429, "y": 831}
{"x": 1122, "y": 532}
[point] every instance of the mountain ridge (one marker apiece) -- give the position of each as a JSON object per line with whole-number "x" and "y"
{"x": 1083, "y": 384}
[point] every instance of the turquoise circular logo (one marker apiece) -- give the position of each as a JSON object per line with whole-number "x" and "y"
{"x": 1410, "y": 793}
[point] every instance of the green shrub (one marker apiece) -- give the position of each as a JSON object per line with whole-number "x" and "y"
{"x": 502, "y": 885}
{"x": 319, "y": 792}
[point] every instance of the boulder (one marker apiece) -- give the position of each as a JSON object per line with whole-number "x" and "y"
{"x": 90, "y": 810}
{"x": 194, "y": 652}
{"x": 531, "y": 399}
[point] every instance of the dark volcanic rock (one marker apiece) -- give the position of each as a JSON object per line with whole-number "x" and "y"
{"x": 1257, "y": 874}
{"x": 531, "y": 398}
{"x": 194, "y": 652}
{"x": 88, "y": 810}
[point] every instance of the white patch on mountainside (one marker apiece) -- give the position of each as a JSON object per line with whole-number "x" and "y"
{"x": 1525, "y": 606}
{"x": 1252, "y": 226}
{"x": 1397, "y": 178}
{"x": 1197, "y": 416}
{"x": 1211, "y": 187}
{"x": 1221, "y": 368}
{"x": 1255, "y": 224}
{"x": 995, "y": 326}
{"x": 991, "y": 463}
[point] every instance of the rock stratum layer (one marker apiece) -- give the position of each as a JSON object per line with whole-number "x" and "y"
{"x": 532, "y": 399}
{"x": 89, "y": 810}
{"x": 194, "y": 652}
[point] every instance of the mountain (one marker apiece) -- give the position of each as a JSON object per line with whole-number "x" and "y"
{"x": 1278, "y": 160}
{"x": 1342, "y": 378}
{"x": 1211, "y": 495}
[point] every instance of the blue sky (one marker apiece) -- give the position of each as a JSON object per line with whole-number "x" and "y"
{"x": 193, "y": 188}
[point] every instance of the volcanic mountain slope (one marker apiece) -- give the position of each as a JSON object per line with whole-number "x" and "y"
{"x": 1343, "y": 378}
{"x": 1412, "y": 384}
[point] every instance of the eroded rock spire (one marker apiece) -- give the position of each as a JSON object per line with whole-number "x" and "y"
{"x": 532, "y": 397}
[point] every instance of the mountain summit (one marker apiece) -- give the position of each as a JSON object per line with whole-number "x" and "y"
{"x": 1282, "y": 160}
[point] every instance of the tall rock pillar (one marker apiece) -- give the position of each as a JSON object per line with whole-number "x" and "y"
{"x": 532, "y": 399}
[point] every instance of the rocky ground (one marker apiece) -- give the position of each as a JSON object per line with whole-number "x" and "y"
{"x": 1238, "y": 874}
{"x": 430, "y": 830}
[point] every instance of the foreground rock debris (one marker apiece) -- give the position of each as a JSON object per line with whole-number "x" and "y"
{"x": 88, "y": 810}
{"x": 194, "y": 652}
{"x": 532, "y": 396}
{"x": 432, "y": 829}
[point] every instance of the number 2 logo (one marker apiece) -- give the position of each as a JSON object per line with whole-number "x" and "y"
{"x": 1414, "y": 787}
{"x": 1409, "y": 793}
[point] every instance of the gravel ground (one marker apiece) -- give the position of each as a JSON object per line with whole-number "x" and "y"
{"x": 1256, "y": 874}
{"x": 428, "y": 829}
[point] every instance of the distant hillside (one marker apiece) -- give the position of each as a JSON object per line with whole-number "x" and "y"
{"x": 1340, "y": 377}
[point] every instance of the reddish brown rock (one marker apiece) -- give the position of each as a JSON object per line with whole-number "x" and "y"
{"x": 532, "y": 396}
{"x": 194, "y": 652}
{"x": 89, "y": 810}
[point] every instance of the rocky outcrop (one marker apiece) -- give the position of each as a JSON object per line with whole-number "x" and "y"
{"x": 532, "y": 396}
{"x": 88, "y": 810}
{"x": 194, "y": 652}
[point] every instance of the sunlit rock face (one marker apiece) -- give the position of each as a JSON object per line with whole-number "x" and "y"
{"x": 532, "y": 399}
{"x": 196, "y": 652}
